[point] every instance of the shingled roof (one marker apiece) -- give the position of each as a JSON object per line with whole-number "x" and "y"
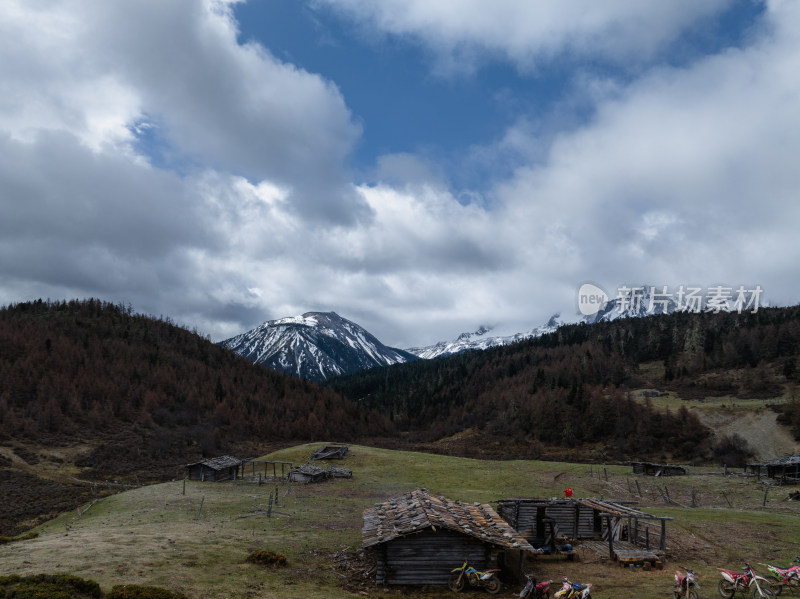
{"x": 219, "y": 463}
{"x": 419, "y": 509}
{"x": 787, "y": 460}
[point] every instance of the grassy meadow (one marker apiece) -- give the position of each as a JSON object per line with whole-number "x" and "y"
{"x": 152, "y": 535}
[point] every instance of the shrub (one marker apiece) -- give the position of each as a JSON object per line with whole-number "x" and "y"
{"x": 49, "y": 586}
{"x": 132, "y": 591}
{"x": 265, "y": 557}
{"x": 25, "y": 537}
{"x": 732, "y": 450}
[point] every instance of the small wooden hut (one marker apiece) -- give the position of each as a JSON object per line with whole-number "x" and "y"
{"x": 308, "y": 473}
{"x": 653, "y": 469}
{"x": 626, "y": 529}
{"x": 330, "y": 452}
{"x": 785, "y": 470}
{"x": 311, "y": 473}
{"x": 215, "y": 469}
{"x": 418, "y": 538}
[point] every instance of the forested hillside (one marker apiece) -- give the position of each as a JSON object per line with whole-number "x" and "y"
{"x": 569, "y": 387}
{"x": 90, "y": 369}
{"x": 139, "y": 395}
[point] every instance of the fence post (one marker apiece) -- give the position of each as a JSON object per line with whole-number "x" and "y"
{"x": 184, "y": 486}
{"x": 201, "y": 507}
{"x": 766, "y": 490}
{"x": 638, "y": 488}
{"x": 269, "y": 509}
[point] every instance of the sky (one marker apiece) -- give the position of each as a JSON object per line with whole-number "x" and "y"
{"x": 421, "y": 167}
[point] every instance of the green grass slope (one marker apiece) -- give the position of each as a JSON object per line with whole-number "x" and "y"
{"x": 153, "y": 536}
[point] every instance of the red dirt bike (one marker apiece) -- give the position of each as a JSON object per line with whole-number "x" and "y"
{"x": 733, "y": 582}
{"x": 573, "y": 590}
{"x": 534, "y": 590}
{"x": 784, "y": 577}
{"x": 460, "y": 577}
{"x": 685, "y": 586}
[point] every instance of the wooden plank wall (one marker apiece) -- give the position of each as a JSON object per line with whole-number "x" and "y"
{"x": 428, "y": 557}
{"x": 522, "y": 516}
{"x": 565, "y": 516}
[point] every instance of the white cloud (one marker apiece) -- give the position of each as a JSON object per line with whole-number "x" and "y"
{"x": 461, "y": 32}
{"x": 99, "y": 70}
{"x": 686, "y": 175}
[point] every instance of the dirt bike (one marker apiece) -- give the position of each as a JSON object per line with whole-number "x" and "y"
{"x": 685, "y": 586}
{"x": 784, "y": 577}
{"x": 532, "y": 590}
{"x": 573, "y": 590}
{"x": 733, "y": 582}
{"x": 466, "y": 574}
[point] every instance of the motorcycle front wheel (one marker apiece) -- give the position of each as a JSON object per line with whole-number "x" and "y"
{"x": 774, "y": 585}
{"x": 766, "y": 592}
{"x": 493, "y": 585}
{"x": 456, "y": 582}
{"x": 726, "y": 589}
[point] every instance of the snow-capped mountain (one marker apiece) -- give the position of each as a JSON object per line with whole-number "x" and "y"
{"x": 314, "y": 346}
{"x": 480, "y": 340}
{"x": 638, "y": 303}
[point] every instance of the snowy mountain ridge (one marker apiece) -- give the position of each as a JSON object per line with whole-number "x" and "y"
{"x": 314, "y": 346}
{"x": 479, "y": 340}
{"x": 320, "y": 345}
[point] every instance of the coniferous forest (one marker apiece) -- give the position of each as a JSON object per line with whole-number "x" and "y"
{"x": 90, "y": 369}
{"x": 146, "y": 396}
{"x": 571, "y": 387}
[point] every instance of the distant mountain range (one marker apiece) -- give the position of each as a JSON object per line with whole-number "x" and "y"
{"x": 633, "y": 306}
{"x": 315, "y": 346}
{"x": 481, "y": 340}
{"x": 320, "y": 345}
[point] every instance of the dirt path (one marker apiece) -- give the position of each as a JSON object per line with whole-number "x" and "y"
{"x": 766, "y": 438}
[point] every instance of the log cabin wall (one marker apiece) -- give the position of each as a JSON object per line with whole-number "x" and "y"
{"x": 526, "y": 516}
{"x": 428, "y": 557}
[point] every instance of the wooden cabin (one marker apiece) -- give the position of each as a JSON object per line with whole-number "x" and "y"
{"x": 330, "y": 452}
{"x": 544, "y": 521}
{"x": 308, "y": 473}
{"x": 529, "y": 517}
{"x": 418, "y": 538}
{"x": 785, "y": 470}
{"x": 215, "y": 469}
{"x": 653, "y": 469}
{"x": 311, "y": 473}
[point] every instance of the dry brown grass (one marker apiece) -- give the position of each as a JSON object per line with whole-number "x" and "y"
{"x": 150, "y": 535}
